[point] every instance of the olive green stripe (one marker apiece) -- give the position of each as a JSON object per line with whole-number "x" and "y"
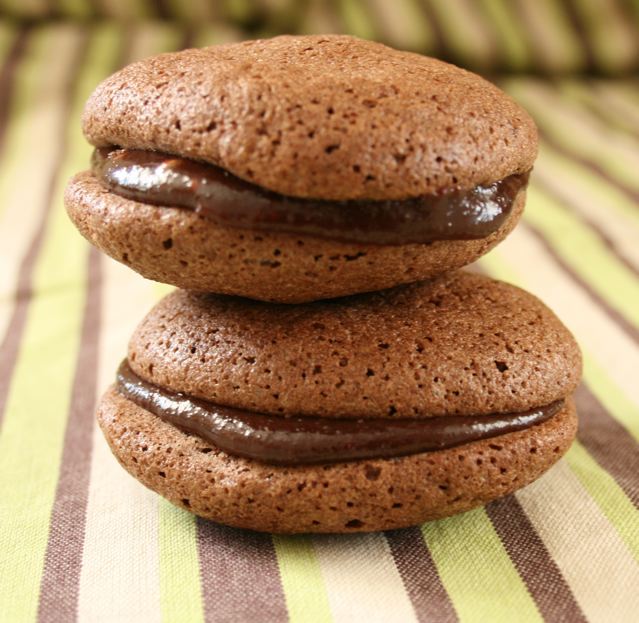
{"x": 573, "y": 242}
{"x": 402, "y": 24}
{"x": 613, "y": 41}
{"x": 7, "y": 36}
{"x": 302, "y": 581}
{"x": 74, "y": 8}
{"x": 607, "y": 494}
{"x": 512, "y": 40}
{"x": 180, "y": 587}
{"x": 465, "y": 31}
{"x": 618, "y": 158}
{"x": 475, "y": 567}
{"x": 33, "y": 432}
{"x": 356, "y": 19}
{"x": 215, "y": 33}
{"x": 565, "y": 51}
{"x": 25, "y": 94}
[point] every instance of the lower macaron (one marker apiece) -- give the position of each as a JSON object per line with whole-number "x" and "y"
{"x": 354, "y": 496}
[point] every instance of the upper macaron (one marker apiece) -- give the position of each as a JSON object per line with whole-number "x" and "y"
{"x": 325, "y": 116}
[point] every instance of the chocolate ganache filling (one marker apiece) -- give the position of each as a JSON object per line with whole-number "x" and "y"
{"x": 165, "y": 180}
{"x": 302, "y": 440}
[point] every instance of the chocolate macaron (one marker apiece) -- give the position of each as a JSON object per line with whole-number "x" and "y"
{"x": 371, "y": 412}
{"x": 300, "y": 168}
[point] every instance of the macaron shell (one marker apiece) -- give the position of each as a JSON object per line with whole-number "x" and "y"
{"x": 359, "y": 496}
{"x": 177, "y": 246}
{"x": 463, "y": 344}
{"x": 326, "y": 116}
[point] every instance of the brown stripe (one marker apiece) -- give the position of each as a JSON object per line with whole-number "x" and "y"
{"x": 239, "y": 574}
{"x": 594, "y": 228}
{"x": 581, "y": 31}
{"x": 608, "y": 442}
{"x": 420, "y": 576}
{"x": 60, "y": 583}
{"x": 623, "y": 323}
{"x": 7, "y": 75}
{"x": 162, "y": 11}
{"x": 533, "y": 562}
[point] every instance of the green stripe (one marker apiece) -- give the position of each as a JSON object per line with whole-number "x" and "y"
{"x": 302, "y": 581}
{"x": 586, "y": 254}
{"x": 33, "y": 434}
{"x": 460, "y": 24}
{"x": 74, "y": 8}
{"x": 357, "y": 20}
{"x": 180, "y": 587}
{"x": 476, "y": 570}
{"x": 404, "y": 26}
{"x": 575, "y": 135}
{"x": 7, "y": 36}
{"x": 578, "y": 178}
{"x": 607, "y": 494}
{"x": 509, "y": 33}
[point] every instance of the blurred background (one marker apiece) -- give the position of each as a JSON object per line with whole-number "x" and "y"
{"x": 81, "y": 538}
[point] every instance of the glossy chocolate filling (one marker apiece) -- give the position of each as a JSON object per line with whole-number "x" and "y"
{"x": 166, "y": 180}
{"x": 301, "y": 440}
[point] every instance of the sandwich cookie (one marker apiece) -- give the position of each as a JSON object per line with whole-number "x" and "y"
{"x": 366, "y": 413}
{"x": 300, "y": 168}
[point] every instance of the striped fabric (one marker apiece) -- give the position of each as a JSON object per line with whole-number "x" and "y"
{"x": 81, "y": 540}
{"x": 490, "y": 35}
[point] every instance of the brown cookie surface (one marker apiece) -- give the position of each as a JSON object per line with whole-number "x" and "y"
{"x": 180, "y": 247}
{"x": 462, "y": 344}
{"x": 326, "y": 116}
{"x": 357, "y": 496}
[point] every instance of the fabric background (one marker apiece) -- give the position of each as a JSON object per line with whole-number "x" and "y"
{"x": 81, "y": 540}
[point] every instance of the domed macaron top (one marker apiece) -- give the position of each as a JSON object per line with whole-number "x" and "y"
{"x": 463, "y": 345}
{"x": 325, "y": 116}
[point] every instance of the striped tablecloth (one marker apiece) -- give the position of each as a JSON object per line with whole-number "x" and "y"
{"x": 80, "y": 539}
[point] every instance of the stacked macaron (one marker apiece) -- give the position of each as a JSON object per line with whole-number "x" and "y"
{"x": 290, "y": 172}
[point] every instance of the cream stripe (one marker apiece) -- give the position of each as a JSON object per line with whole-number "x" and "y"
{"x": 614, "y": 99}
{"x": 362, "y": 580}
{"x": 32, "y": 145}
{"x": 474, "y": 567}
{"x": 120, "y": 566}
{"x": 590, "y": 554}
{"x": 593, "y": 328}
{"x": 149, "y": 38}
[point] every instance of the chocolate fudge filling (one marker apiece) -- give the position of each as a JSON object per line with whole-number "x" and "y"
{"x": 302, "y": 440}
{"x": 165, "y": 180}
